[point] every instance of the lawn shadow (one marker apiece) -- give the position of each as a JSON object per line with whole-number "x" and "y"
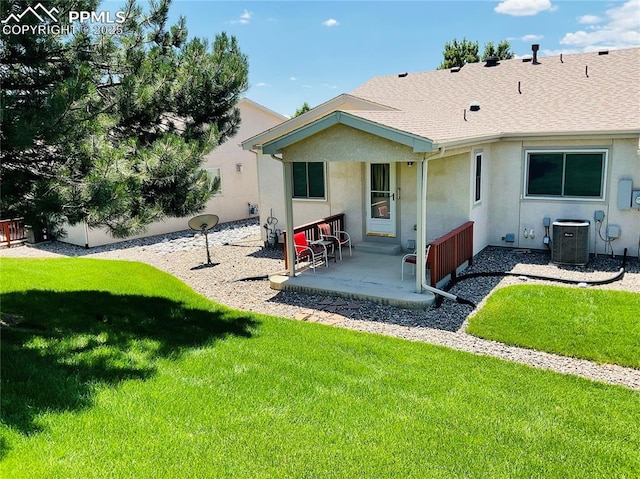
{"x": 69, "y": 344}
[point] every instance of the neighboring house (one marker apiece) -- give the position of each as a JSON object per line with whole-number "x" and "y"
{"x": 504, "y": 144}
{"x": 237, "y": 169}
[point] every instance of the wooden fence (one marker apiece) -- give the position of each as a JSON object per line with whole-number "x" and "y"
{"x": 450, "y": 251}
{"x": 12, "y": 231}
{"x": 311, "y": 229}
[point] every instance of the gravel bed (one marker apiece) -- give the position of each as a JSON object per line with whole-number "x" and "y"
{"x": 238, "y": 254}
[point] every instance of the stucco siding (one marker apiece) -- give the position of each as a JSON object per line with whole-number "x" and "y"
{"x": 511, "y": 212}
{"x": 342, "y": 143}
{"x": 447, "y": 194}
{"x": 504, "y": 191}
{"x": 479, "y": 212}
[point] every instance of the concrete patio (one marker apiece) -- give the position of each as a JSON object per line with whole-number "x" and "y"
{"x": 369, "y": 276}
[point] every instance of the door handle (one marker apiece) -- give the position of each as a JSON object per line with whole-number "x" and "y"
{"x": 393, "y": 196}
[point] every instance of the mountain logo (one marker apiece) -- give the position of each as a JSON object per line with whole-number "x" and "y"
{"x": 39, "y": 11}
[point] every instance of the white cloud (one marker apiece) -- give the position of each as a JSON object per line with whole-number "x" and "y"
{"x": 292, "y": 78}
{"x": 619, "y": 29}
{"x": 589, "y": 19}
{"x": 327, "y": 85}
{"x": 531, "y": 38}
{"x": 244, "y": 18}
{"x": 262, "y": 84}
{"x": 332, "y": 22}
{"x": 524, "y": 8}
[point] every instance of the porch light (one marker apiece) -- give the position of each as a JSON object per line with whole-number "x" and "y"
{"x": 239, "y": 167}
{"x": 409, "y": 164}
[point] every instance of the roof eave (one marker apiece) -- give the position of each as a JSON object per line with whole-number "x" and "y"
{"x": 417, "y": 143}
{"x": 556, "y": 135}
{"x": 312, "y": 115}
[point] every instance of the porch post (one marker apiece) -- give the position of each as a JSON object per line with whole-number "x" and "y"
{"x": 289, "y": 250}
{"x": 421, "y": 197}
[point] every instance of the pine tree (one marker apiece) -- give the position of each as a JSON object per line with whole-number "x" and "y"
{"x": 458, "y": 54}
{"x": 111, "y": 128}
{"x": 502, "y": 51}
{"x": 303, "y": 109}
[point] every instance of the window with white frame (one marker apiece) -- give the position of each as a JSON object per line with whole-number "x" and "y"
{"x": 565, "y": 174}
{"x": 215, "y": 175}
{"x": 477, "y": 195}
{"x": 308, "y": 180}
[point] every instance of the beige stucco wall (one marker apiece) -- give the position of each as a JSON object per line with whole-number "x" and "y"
{"x": 239, "y": 188}
{"x": 345, "y": 151}
{"x": 510, "y": 212}
{"x": 480, "y": 212}
{"x": 447, "y": 194}
{"x": 501, "y": 210}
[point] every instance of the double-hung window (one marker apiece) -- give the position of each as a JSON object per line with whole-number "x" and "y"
{"x": 565, "y": 174}
{"x": 308, "y": 180}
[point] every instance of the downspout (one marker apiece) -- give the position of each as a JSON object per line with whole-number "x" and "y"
{"x": 421, "y": 222}
{"x": 423, "y": 278}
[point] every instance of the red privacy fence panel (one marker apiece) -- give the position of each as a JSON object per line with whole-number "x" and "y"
{"x": 11, "y": 231}
{"x": 450, "y": 251}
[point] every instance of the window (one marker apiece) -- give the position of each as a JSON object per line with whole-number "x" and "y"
{"x": 308, "y": 180}
{"x": 478, "y": 178}
{"x": 215, "y": 176}
{"x": 575, "y": 174}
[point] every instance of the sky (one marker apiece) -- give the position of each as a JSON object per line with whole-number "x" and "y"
{"x": 312, "y": 51}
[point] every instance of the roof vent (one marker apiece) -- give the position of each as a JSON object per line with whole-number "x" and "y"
{"x": 402, "y": 75}
{"x": 526, "y": 58}
{"x": 534, "y": 48}
{"x": 603, "y": 52}
{"x": 492, "y": 61}
{"x": 455, "y": 69}
{"x": 474, "y": 105}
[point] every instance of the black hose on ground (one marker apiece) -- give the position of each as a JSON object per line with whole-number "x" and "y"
{"x": 490, "y": 274}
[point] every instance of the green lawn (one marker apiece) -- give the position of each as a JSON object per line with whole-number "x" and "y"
{"x": 116, "y": 369}
{"x": 586, "y": 323}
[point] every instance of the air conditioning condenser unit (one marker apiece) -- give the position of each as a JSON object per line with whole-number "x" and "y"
{"x": 570, "y": 242}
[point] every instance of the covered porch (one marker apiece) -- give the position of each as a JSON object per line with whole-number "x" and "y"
{"x": 376, "y": 176}
{"x": 370, "y": 276}
{"x": 377, "y": 276}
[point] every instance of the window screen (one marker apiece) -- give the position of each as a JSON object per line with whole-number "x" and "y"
{"x": 583, "y": 174}
{"x": 578, "y": 175}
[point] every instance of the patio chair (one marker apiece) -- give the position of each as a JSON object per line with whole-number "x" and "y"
{"x": 412, "y": 257}
{"x": 338, "y": 238}
{"x": 306, "y": 251}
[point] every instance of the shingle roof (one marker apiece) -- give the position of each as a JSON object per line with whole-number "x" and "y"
{"x": 588, "y": 92}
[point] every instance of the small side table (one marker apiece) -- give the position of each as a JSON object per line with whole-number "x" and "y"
{"x": 329, "y": 248}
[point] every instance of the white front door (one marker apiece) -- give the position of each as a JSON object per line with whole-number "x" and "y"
{"x": 381, "y": 199}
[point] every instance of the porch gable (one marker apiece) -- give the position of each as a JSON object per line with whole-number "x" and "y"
{"x": 417, "y": 143}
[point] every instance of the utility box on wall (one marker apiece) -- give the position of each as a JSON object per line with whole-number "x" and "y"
{"x": 570, "y": 242}
{"x": 624, "y": 194}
